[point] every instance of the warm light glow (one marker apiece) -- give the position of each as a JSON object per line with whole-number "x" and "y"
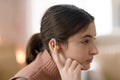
{"x": 0, "y": 40}
{"x": 20, "y": 56}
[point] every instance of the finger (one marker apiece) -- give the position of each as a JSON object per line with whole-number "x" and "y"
{"x": 56, "y": 58}
{"x": 68, "y": 63}
{"x": 73, "y": 64}
{"x": 78, "y": 68}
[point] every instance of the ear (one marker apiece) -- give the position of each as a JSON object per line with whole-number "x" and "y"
{"x": 52, "y": 44}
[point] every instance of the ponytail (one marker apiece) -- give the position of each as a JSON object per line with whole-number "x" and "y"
{"x": 34, "y": 46}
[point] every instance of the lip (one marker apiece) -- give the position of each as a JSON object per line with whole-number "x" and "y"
{"x": 89, "y": 60}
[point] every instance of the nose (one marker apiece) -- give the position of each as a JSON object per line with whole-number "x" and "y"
{"x": 94, "y": 50}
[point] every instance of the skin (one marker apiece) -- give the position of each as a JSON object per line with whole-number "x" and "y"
{"x": 81, "y": 46}
{"x": 76, "y": 55}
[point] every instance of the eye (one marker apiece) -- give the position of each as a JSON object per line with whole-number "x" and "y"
{"x": 85, "y": 42}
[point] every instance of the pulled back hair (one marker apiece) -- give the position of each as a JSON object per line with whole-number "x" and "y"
{"x": 59, "y": 22}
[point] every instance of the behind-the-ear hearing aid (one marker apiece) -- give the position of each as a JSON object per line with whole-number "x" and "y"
{"x": 55, "y": 44}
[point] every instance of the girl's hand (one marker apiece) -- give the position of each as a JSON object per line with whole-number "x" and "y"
{"x": 71, "y": 70}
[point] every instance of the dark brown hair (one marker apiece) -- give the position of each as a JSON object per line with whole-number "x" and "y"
{"x": 59, "y": 22}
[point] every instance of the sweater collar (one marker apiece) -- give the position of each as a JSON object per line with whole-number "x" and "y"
{"x": 50, "y": 68}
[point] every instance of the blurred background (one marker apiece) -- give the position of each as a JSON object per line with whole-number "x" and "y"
{"x": 19, "y": 19}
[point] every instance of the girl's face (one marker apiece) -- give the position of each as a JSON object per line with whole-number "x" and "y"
{"x": 81, "y": 46}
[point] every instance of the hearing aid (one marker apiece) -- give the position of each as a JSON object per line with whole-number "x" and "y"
{"x": 55, "y": 44}
{"x": 57, "y": 47}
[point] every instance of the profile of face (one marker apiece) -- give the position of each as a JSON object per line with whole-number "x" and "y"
{"x": 81, "y": 46}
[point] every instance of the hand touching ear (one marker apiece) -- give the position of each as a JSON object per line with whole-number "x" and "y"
{"x": 71, "y": 70}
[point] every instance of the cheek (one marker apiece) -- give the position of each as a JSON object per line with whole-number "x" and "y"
{"x": 78, "y": 53}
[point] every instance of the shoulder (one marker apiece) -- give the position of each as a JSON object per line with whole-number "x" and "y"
{"x": 38, "y": 69}
{"x": 31, "y": 70}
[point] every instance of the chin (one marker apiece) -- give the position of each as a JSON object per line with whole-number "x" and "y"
{"x": 86, "y": 67}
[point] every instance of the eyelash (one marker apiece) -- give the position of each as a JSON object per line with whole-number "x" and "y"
{"x": 85, "y": 42}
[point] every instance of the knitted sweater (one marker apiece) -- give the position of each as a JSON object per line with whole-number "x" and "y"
{"x": 42, "y": 68}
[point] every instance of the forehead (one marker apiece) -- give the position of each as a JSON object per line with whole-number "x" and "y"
{"x": 89, "y": 31}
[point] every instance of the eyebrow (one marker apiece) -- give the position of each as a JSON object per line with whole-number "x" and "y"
{"x": 90, "y": 36}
